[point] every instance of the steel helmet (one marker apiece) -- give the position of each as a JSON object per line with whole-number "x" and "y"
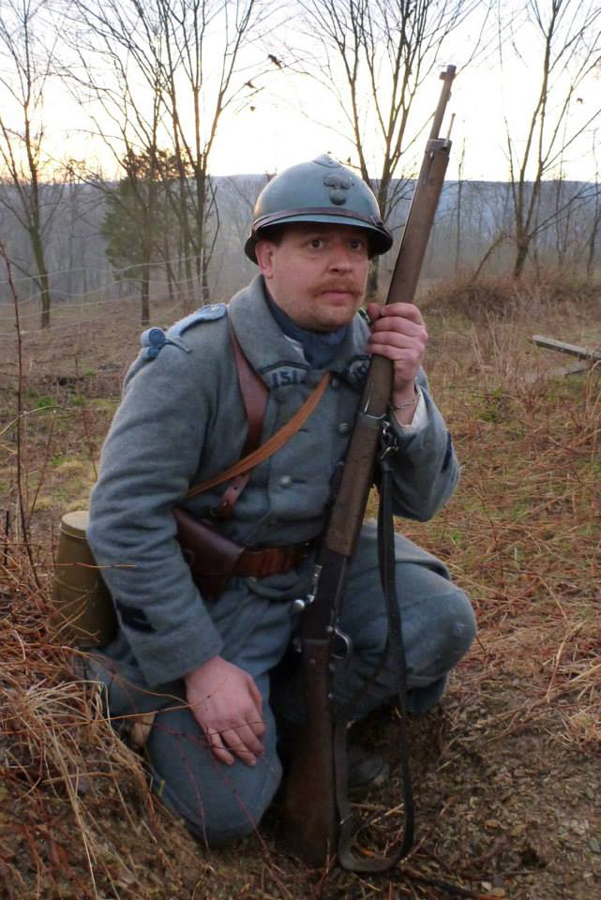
{"x": 322, "y": 190}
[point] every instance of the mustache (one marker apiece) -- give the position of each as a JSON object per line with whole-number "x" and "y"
{"x": 347, "y": 287}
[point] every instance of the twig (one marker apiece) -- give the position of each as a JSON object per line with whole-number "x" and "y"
{"x": 88, "y": 437}
{"x": 573, "y": 631}
{"x": 455, "y": 890}
{"x": 30, "y": 412}
{"x": 6, "y": 534}
{"x": 20, "y": 487}
{"x": 43, "y": 470}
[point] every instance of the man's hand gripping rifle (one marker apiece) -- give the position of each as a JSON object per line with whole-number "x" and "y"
{"x": 315, "y": 808}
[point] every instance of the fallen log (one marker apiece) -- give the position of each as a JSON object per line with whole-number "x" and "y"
{"x": 562, "y": 347}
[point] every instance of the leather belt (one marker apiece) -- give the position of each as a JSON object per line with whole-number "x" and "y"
{"x": 271, "y": 560}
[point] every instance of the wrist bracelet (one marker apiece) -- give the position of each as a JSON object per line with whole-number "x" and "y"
{"x": 408, "y": 403}
{"x": 405, "y": 405}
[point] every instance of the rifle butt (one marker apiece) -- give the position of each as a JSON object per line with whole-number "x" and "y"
{"x": 309, "y": 809}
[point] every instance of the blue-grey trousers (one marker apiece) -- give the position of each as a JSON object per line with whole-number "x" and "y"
{"x": 221, "y": 803}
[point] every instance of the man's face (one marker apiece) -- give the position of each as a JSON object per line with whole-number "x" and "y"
{"x": 317, "y": 273}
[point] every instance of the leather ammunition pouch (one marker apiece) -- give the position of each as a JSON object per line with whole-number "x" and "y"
{"x": 214, "y": 559}
{"x": 210, "y": 556}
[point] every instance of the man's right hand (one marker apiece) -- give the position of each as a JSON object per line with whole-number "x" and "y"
{"x": 227, "y": 705}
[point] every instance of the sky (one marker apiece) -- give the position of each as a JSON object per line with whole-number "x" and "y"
{"x": 283, "y": 130}
{"x": 493, "y": 94}
{"x": 292, "y": 119}
{"x": 281, "y": 134}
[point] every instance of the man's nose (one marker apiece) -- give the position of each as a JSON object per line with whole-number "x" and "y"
{"x": 341, "y": 260}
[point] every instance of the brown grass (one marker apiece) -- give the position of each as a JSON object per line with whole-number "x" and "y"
{"x": 521, "y": 535}
{"x": 504, "y": 298}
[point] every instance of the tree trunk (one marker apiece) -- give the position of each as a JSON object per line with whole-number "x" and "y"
{"x": 592, "y": 241}
{"x": 169, "y": 273}
{"x": 43, "y": 279}
{"x": 371, "y": 293}
{"x": 202, "y": 263}
{"x": 46, "y": 300}
{"x": 523, "y": 246}
{"x": 145, "y": 294}
{"x": 205, "y": 292}
{"x": 458, "y": 227}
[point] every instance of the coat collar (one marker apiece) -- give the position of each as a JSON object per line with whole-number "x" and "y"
{"x": 269, "y": 350}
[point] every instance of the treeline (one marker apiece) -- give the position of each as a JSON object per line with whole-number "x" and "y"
{"x": 93, "y": 249}
{"x": 153, "y": 85}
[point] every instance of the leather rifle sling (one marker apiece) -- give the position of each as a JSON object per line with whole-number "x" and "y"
{"x": 254, "y": 396}
{"x": 255, "y": 411}
{"x": 396, "y": 648}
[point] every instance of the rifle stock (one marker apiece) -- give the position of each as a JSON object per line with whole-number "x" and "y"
{"x": 313, "y": 814}
{"x": 310, "y": 809}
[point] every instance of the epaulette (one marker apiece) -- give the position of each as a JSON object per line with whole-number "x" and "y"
{"x": 205, "y": 314}
{"x": 154, "y": 339}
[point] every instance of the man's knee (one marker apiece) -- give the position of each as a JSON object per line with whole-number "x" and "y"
{"x": 460, "y": 621}
{"x": 221, "y": 819}
{"x": 448, "y": 628}
{"x": 219, "y": 804}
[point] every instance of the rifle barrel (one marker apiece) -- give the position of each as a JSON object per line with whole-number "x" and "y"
{"x": 347, "y": 515}
{"x": 447, "y": 76}
{"x": 311, "y": 810}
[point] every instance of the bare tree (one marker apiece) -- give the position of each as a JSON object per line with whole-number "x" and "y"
{"x": 564, "y": 36}
{"x": 374, "y": 57}
{"x": 459, "y": 207}
{"x": 187, "y": 56}
{"x": 27, "y": 64}
{"x": 596, "y": 215}
{"x": 127, "y": 122}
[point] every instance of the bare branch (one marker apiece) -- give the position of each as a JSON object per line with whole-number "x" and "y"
{"x": 569, "y": 33}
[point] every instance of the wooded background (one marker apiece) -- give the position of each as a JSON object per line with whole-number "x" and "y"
{"x": 151, "y": 86}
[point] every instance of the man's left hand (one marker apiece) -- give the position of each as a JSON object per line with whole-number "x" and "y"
{"x": 398, "y": 332}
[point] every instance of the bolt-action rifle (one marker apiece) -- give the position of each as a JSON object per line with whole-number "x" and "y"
{"x": 315, "y": 807}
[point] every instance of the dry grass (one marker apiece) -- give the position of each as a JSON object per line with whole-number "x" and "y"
{"x": 518, "y": 740}
{"x": 523, "y": 534}
{"x": 64, "y": 772}
{"x": 502, "y": 298}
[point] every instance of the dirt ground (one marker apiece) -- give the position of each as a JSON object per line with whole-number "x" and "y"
{"x": 507, "y": 771}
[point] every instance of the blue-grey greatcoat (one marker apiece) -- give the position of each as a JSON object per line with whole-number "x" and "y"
{"x": 182, "y": 421}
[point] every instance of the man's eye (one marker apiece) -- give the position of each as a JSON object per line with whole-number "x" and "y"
{"x": 357, "y": 244}
{"x": 316, "y": 243}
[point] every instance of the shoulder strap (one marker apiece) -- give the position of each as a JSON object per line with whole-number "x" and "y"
{"x": 269, "y": 447}
{"x": 254, "y": 396}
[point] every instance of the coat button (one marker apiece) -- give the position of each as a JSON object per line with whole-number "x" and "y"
{"x": 334, "y": 383}
{"x": 344, "y": 428}
{"x": 286, "y": 480}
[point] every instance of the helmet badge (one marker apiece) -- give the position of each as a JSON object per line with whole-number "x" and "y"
{"x": 339, "y": 185}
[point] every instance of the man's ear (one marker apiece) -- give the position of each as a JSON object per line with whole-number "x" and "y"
{"x": 265, "y": 251}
